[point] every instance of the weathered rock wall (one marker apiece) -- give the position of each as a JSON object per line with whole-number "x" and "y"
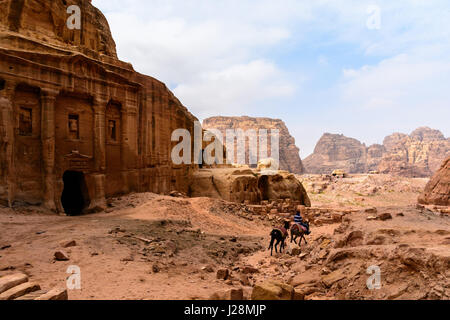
{"x": 288, "y": 152}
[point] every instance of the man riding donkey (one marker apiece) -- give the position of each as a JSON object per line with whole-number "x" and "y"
{"x": 299, "y": 228}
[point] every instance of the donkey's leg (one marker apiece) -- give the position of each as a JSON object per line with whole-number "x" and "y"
{"x": 272, "y": 240}
{"x": 276, "y": 245}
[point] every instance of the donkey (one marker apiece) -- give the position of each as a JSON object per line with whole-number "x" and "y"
{"x": 280, "y": 235}
{"x": 298, "y": 231}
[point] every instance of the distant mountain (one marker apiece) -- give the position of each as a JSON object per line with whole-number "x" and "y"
{"x": 289, "y": 152}
{"x": 419, "y": 154}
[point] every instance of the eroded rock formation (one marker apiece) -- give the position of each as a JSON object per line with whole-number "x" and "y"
{"x": 289, "y": 158}
{"x": 437, "y": 190}
{"x": 77, "y": 125}
{"x": 416, "y": 155}
{"x": 246, "y": 185}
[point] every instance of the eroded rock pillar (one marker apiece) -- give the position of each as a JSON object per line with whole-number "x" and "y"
{"x": 48, "y": 100}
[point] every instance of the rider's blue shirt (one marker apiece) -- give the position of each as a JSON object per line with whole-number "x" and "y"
{"x": 298, "y": 218}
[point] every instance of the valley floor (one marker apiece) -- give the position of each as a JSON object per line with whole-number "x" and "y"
{"x": 147, "y": 246}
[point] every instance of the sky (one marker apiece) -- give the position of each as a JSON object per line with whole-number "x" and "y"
{"x": 364, "y": 69}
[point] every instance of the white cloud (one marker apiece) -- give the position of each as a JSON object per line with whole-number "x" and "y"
{"x": 404, "y": 82}
{"x": 235, "y": 89}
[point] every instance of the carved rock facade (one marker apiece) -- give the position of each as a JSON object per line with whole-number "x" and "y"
{"x": 77, "y": 125}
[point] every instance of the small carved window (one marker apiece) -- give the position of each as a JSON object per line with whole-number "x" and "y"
{"x": 26, "y": 122}
{"x": 2, "y": 84}
{"x": 112, "y": 130}
{"x": 74, "y": 126}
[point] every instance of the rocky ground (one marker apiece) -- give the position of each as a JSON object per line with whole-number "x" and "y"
{"x": 147, "y": 246}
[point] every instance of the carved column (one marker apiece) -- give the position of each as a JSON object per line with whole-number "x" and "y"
{"x": 100, "y": 135}
{"x": 48, "y": 99}
{"x": 99, "y": 200}
{"x": 124, "y": 148}
{"x": 7, "y": 140}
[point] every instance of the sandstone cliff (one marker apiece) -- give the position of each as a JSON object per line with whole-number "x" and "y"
{"x": 77, "y": 125}
{"x": 416, "y": 155}
{"x": 437, "y": 190}
{"x": 289, "y": 152}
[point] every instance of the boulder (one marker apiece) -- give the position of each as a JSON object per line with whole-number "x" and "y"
{"x": 20, "y": 290}
{"x": 55, "y": 294}
{"x": 12, "y": 280}
{"x": 272, "y": 290}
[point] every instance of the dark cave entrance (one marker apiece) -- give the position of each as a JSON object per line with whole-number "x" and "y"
{"x": 263, "y": 186}
{"x": 75, "y": 197}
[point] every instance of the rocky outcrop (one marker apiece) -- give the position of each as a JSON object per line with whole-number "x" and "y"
{"x": 289, "y": 158}
{"x": 77, "y": 125}
{"x": 244, "y": 185}
{"x": 416, "y": 155}
{"x": 437, "y": 190}
{"x": 334, "y": 151}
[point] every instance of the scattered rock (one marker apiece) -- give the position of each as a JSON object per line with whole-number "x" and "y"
{"x": 385, "y": 216}
{"x": 156, "y": 268}
{"x": 68, "y": 244}
{"x": 208, "y": 268}
{"x": 371, "y": 210}
{"x": 249, "y": 270}
{"x": 61, "y": 256}
{"x": 223, "y": 274}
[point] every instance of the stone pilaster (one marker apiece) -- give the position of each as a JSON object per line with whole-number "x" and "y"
{"x": 7, "y": 140}
{"x": 124, "y": 149}
{"x": 48, "y": 101}
{"x": 99, "y": 135}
